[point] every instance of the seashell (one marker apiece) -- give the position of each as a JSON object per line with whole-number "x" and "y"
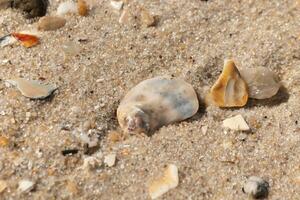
{"x": 32, "y": 89}
{"x": 165, "y": 183}
{"x": 49, "y": 23}
{"x": 156, "y": 102}
{"x": 237, "y": 123}
{"x": 262, "y": 82}
{"x": 118, "y": 5}
{"x": 7, "y": 40}
{"x": 26, "y": 40}
{"x": 146, "y": 18}
{"x": 230, "y": 90}
{"x": 82, "y": 7}
{"x": 66, "y": 7}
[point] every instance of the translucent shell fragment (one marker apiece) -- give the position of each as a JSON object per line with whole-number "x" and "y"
{"x": 230, "y": 90}
{"x": 26, "y": 40}
{"x": 156, "y": 102}
{"x": 262, "y": 82}
{"x": 32, "y": 89}
{"x": 164, "y": 183}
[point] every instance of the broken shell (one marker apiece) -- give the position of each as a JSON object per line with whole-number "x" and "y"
{"x": 156, "y": 102}
{"x": 163, "y": 184}
{"x": 262, "y": 82}
{"x": 66, "y": 7}
{"x": 32, "y": 89}
{"x": 82, "y": 7}
{"x": 236, "y": 123}
{"x": 7, "y": 40}
{"x": 110, "y": 159}
{"x": 146, "y": 18}
{"x": 118, "y": 5}
{"x": 230, "y": 90}
{"x": 50, "y": 23}
{"x": 256, "y": 187}
{"x": 26, "y": 40}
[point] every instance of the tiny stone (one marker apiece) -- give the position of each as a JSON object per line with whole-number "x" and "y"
{"x": 256, "y": 187}
{"x": 3, "y": 186}
{"x": 242, "y": 137}
{"x": 236, "y": 123}
{"x": 90, "y": 163}
{"x": 204, "y": 129}
{"x": 26, "y": 185}
{"x": 110, "y": 160}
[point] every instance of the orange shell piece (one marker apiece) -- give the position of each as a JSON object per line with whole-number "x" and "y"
{"x": 26, "y": 40}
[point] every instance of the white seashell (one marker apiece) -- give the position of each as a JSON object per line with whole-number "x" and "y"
{"x": 110, "y": 160}
{"x": 262, "y": 82}
{"x": 163, "y": 184}
{"x": 156, "y": 102}
{"x": 32, "y": 89}
{"x": 7, "y": 40}
{"x": 236, "y": 123}
{"x": 26, "y": 185}
{"x": 118, "y": 5}
{"x": 67, "y": 7}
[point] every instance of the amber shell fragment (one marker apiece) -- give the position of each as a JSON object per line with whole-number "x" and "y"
{"x": 230, "y": 90}
{"x": 26, "y": 40}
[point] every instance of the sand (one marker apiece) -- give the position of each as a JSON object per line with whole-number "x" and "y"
{"x": 190, "y": 40}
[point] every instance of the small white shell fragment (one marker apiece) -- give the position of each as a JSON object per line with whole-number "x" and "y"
{"x": 262, "y": 82}
{"x": 165, "y": 183}
{"x": 256, "y": 187}
{"x": 3, "y": 186}
{"x": 156, "y": 102}
{"x": 237, "y": 123}
{"x": 204, "y": 129}
{"x": 32, "y": 89}
{"x": 110, "y": 159}
{"x": 118, "y": 5}
{"x": 7, "y": 40}
{"x": 66, "y": 7}
{"x": 26, "y": 185}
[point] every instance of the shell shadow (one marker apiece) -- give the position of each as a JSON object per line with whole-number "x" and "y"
{"x": 282, "y": 96}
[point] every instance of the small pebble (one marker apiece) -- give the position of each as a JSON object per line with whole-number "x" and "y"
{"x": 110, "y": 160}
{"x": 256, "y": 187}
{"x": 26, "y": 185}
{"x": 204, "y": 129}
{"x": 236, "y": 123}
{"x": 3, "y": 185}
{"x": 91, "y": 163}
{"x": 50, "y": 23}
{"x": 32, "y": 89}
{"x": 164, "y": 183}
{"x": 118, "y": 5}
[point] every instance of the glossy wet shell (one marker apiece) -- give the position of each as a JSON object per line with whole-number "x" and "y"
{"x": 162, "y": 99}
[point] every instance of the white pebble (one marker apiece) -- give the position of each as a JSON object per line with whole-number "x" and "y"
{"x": 256, "y": 187}
{"x": 66, "y": 7}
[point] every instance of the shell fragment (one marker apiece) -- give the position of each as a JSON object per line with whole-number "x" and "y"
{"x": 236, "y": 123}
{"x": 230, "y": 90}
{"x": 32, "y": 89}
{"x": 165, "y": 183}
